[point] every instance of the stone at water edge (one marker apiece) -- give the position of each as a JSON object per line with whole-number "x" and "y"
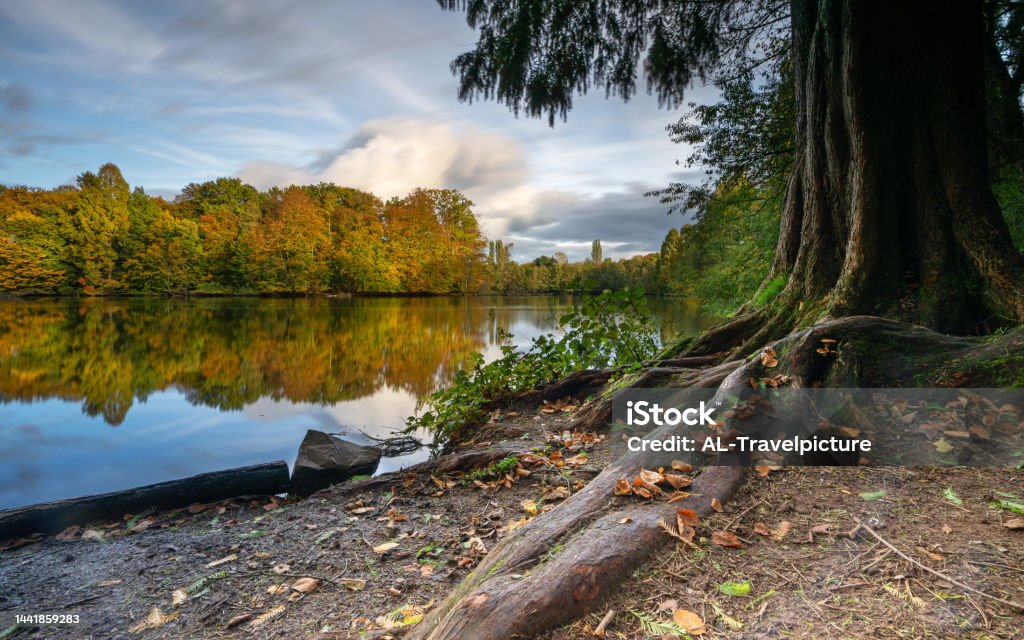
{"x": 324, "y": 460}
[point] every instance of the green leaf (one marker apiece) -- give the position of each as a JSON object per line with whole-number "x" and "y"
{"x": 952, "y": 497}
{"x": 1009, "y": 505}
{"x": 868, "y": 496}
{"x": 735, "y": 588}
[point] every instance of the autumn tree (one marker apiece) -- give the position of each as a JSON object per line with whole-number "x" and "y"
{"x": 95, "y": 224}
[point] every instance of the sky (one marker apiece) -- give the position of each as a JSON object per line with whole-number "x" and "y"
{"x": 280, "y": 92}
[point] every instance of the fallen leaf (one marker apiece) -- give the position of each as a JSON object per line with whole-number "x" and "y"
{"x": 768, "y": 358}
{"x": 679, "y": 465}
{"x": 305, "y": 585}
{"x": 623, "y": 487}
{"x": 735, "y": 588}
{"x": 393, "y": 591}
{"x": 942, "y": 446}
{"x": 688, "y": 517}
{"x": 354, "y": 584}
{"x": 224, "y": 560}
{"x": 178, "y": 596}
{"x": 277, "y": 589}
{"x": 1014, "y": 524}
{"x": 92, "y": 534}
{"x": 762, "y": 529}
{"x": 237, "y": 620}
{"x": 849, "y": 432}
{"x": 626, "y": 520}
{"x": 651, "y": 477}
{"x": 384, "y": 548}
{"x": 642, "y": 492}
{"x": 678, "y": 482}
{"x": 690, "y": 621}
{"x": 716, "y": 505}
{"x": 821, "y": 529}
{"x": 69, "y": 534}
{"x": 764, "y": 469}
{"x": 726, "y": 539}
{"x": 868, "y": 496}
{"x": 530, "y": 507}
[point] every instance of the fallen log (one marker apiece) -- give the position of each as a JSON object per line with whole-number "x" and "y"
{"x": 49, "y": 517}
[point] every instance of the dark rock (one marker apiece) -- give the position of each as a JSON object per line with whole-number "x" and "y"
{"x": 324, "y": 460}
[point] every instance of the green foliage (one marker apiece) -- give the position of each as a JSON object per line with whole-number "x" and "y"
{"x": 721, "y": 260}
{"x": 735, "y": 588}
{"x": 610, "y": 329}
{"x": 494, "y": 471}
{"x": 1009, "y": 192}
{"x": 770, "y": 290}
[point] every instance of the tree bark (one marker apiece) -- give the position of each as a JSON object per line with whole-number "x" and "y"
{"x": 889, "y": 209}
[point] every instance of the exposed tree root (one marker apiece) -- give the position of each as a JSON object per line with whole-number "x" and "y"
{"x": 564, "y": 563}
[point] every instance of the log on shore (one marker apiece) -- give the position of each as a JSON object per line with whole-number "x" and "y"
{"x": 50, "y": 517}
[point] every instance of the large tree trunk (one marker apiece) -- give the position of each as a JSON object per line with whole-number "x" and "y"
{"x": 889, "y": 208}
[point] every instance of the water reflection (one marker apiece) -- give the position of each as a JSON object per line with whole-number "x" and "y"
{"x": 212, "y": 383}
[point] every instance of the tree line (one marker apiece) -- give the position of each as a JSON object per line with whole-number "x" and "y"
{"x": 99, "y": 237}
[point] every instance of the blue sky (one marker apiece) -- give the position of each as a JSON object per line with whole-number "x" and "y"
{"x": 357, "y": 93}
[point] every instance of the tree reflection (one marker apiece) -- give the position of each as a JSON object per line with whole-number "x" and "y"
{"x": 230, "y": 353}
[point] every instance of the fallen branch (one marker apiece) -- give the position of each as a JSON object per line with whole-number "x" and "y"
{"x": 938, "y": 574}
{"x": 599, "y": 631}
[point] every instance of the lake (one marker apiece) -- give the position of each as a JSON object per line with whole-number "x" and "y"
{"x": 98, "y": 395}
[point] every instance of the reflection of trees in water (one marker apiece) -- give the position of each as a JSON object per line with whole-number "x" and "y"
{"x": 229, "y": 353}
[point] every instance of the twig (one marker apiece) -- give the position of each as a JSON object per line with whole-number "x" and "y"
{"x": 599, "y": 631}
{"x": 938, "y": 574}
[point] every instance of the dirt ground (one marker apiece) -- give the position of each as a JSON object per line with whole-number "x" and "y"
{"x": 376, "y": 554}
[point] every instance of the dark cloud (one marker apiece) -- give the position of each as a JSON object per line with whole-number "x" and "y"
{"x": 15, "y": 99}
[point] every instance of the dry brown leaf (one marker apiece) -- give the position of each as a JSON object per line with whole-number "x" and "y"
{"x": 642, "y": 492}
{"x": 651, "y": 477}
{"x": 381, "y": 549}
{"x": 688, "y": 517}
{"x": 357, "y": 584}
{"x": 822, "y": 529}
{"x": 849, "y": 432}
{"x": 237, "y": 620}
{"x": 626, "y": 520}
{"x": 277, "y": 589}
{"x": 726, "y": 539}
{"x": 716, "y": 505}
{"x": 69, "y": 534}
{"x": 762, "y": 529}
{"x": 678, "y": 482}
{"x": 1014, "y": 524}
{"x": 679, "y": 465}
{"x": 690, "y": 621}
{"x": 764, "y": 469}
{"x": 92, "y": 534}
{"x": 178, "y": 596}
{"x": 305, "y": 585}
{"x": 622, "y": 487}
{"x": 768, "y": 358}
{"x": 652, "y": 488}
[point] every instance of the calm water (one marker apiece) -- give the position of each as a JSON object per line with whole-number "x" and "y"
{"x": 100, "y": 395}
